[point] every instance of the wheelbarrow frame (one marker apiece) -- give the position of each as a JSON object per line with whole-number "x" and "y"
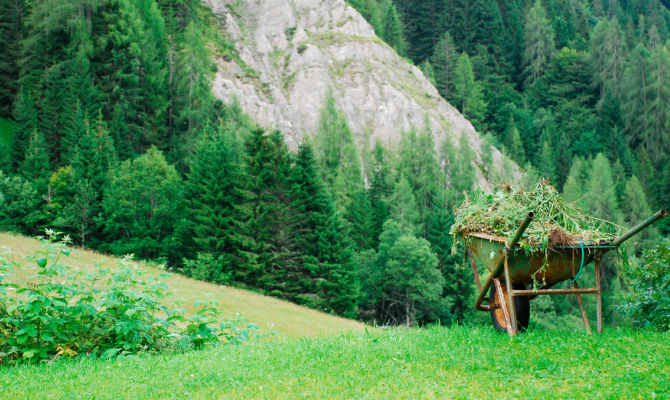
{"x": 502, "y": 272}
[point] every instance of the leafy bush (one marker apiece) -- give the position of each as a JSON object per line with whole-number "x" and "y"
{"x": 647, "y": 280}
{"x": 105, "y": 313}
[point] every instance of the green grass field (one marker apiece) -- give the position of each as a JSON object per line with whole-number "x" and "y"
{"x": 429, "y": 363}
{"x": 287, "y": 319}
{"x": 316, "y": 355}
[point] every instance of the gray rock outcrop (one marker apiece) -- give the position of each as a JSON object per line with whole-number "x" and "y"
{"x": 291, "y": 52}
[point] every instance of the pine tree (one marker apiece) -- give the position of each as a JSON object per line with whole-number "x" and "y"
{"x": 217, "y": 210}
{"x": 25, "y": 115}
{"x": 419, "y": 165}
{"x": 573, "y": 190}
{"x": 273, "y": 218}
{"x": 331, "y": 281}
{"x": 600, "y": 196}
{"x": 547, "y": 162}
{"x": 607, "y": 56}
{"x": 444, "y": 62}
{"x": 193, "y": 76}
{"x": 457, "y": 280}
{"x": 538, "y": 43}
{"x": 657, "y": 141}
{"x": 636, "y": 90}
{"x": 338, "y": 158}
{"x": 393, "y": 29}
{"x": 404, "y": 208}
{"x": 35, "y": 166}
{"x": 515, "y": 145}
{"x": 381, "y": 189}
{"x": 458, "y": 164}
{"x": 637, "y": 209}
{"x": 361, "y": 221}
{"x": 91, "y": 160}
{"x": 467, "y": 92}
{"x": 12, "y": 15}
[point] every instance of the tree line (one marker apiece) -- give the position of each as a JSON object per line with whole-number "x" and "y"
{"x": 549, "y": 82}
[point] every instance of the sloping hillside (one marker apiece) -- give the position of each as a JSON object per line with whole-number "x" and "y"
{"x": 293, "y": 52}
{"x": 288, "y": 319}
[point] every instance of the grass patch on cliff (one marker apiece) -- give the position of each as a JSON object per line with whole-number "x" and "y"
{"x": 435, "y": 362}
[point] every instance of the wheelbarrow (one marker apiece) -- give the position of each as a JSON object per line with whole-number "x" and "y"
{"x": 511, "y": 270}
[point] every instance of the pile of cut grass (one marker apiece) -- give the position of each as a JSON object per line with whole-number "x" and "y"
{"x": 556, "y": 221}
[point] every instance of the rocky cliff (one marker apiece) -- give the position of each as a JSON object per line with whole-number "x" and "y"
{"x": 291, "y": 52}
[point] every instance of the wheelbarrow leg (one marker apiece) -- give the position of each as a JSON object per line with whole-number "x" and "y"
{"x": 510, "y": 296}
{"x": 503, "y": 306}
{"x": 599, "y": 297}
{"x": 581, "y": 308}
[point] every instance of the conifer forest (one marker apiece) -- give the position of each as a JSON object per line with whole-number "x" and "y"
{"x": 111, "y": 134}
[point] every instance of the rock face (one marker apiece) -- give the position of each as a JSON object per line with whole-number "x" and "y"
{"x": 292, "y": 52}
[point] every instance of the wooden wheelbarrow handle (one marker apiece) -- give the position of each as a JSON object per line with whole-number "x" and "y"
{"x": 499, "y": 267}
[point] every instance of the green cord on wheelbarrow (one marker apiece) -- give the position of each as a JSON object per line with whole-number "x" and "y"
{"x": 582, "y": 263}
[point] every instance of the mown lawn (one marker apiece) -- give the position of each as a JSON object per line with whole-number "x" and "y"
{"x": 435, "y": 362}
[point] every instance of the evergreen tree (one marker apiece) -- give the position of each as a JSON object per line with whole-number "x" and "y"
{"x": 393, "y": 29}
{"x": 193, "y": 76}
{"x": 410, "y": 282}
{"x": 403, "y": 207}
{"x": 25, "y": 115}
{"x": 20, "y": 205}
{"x": 538, "y": 43}
{"x": 444, "y": 62}
{"x": 515, "y": 145}
{"x": 338, "y": 158}
{"x": 657, "y": 140}
{"x": 35, "y": 166}
{"x": 547, "y": 162}
{"x": 607, "y": 56}
{"x": 217, "y": 210}
{"x": 91, "y": 160}
{"x": 273, "y": 219}
{"x": 328, "y": 256}
{"x": 636, "y": 209}
{"x": 381, "y": 189}
{"x": 458, "y": 164}
{"x": 457, "y": 280}
{"x": 573, "y": 190}
{"x": 361, "y": 215}
{"x": 600, "y": 196}
{"x": 12, "y": 15}
{"x": 141, "y": 207}
{"x": 467, "y": 91}
{"x": 636, "y": 90}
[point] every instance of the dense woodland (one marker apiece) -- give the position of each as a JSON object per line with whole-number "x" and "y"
{"x": 110, "y": 134}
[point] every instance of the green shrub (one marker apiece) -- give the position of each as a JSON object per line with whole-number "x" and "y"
{"x": 61, "y": 312}
{"x": 647, "y": 281}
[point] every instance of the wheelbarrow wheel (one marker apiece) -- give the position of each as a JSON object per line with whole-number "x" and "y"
{"x": 521, "y": 306}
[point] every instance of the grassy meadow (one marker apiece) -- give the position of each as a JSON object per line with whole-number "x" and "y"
{"x": 287, "y": 319}
{"x": 316, "y": 355}
{"x": 429, "y": 363}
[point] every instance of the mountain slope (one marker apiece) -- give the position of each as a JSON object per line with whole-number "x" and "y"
{"x": 288, "y": 319}
{"x": 292, "y": 52}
